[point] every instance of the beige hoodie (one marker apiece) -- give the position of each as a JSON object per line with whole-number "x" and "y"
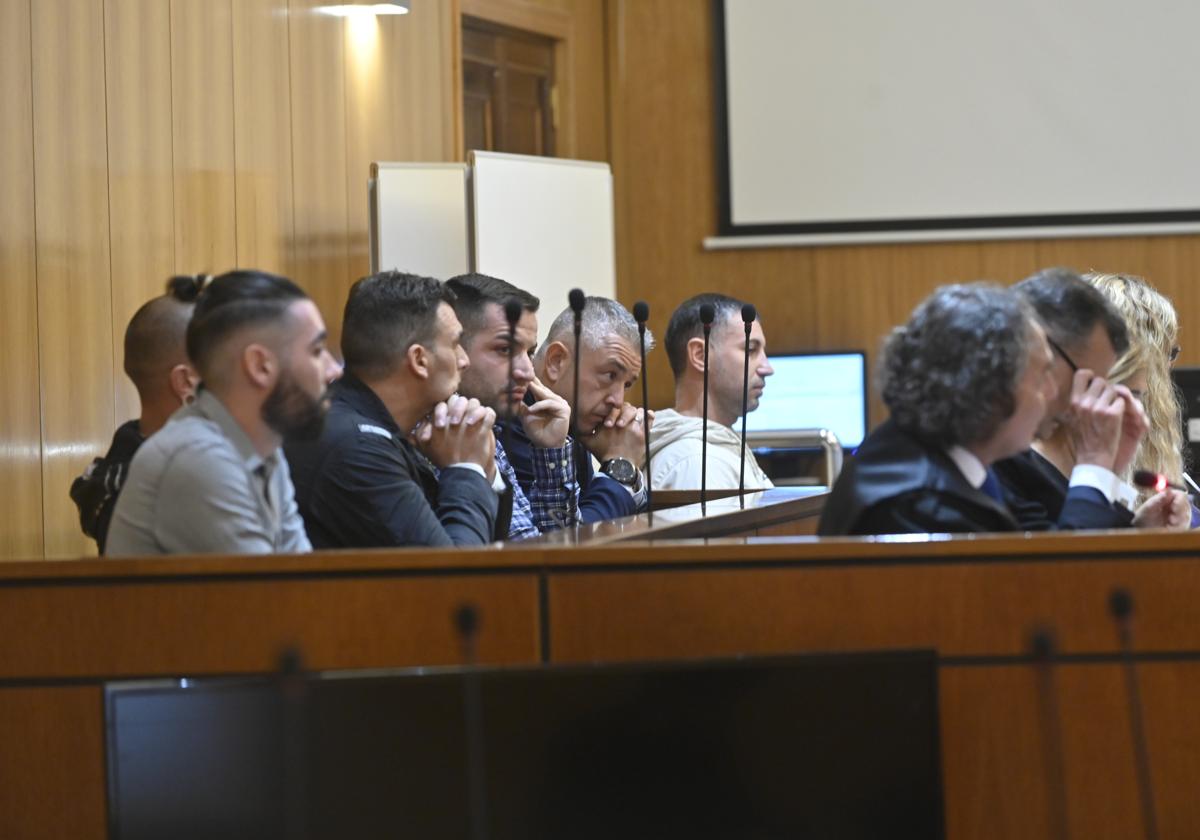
{"x": 675, "y": 443}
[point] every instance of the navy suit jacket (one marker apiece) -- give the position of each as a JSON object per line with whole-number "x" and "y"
{"x": 1039, "y": 496}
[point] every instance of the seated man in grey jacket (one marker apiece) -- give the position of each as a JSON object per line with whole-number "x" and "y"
{"x": 677, "y": 437}
{"x": 213, "y": 479}
{"x": 369, "y": 481}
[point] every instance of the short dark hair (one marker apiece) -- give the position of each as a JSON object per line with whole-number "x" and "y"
{"x": 387, "y": 313}
{"x": 1069, "y": 308}
{"x": 232, "y": 301}
{"x": 685, "y": 324}
{"x": 156, "y": 337}
{"x": 949, "y": 376}
{"x": 473, "y": 292}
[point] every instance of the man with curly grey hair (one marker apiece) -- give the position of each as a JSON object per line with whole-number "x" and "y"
{"x": 967, "y": 380}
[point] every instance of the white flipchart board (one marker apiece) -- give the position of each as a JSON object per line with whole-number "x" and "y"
{"x": 545, "y": 225}
{"x": 419, "y": 218}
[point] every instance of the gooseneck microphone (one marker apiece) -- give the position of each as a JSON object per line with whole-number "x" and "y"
{"x": 1044, "y": 648}
{"x": 641, "y": 314}
{"x": 512, "y": 314}
{"x": 466, "y": 622}
{"x": 749, "y": 314}
{"x": 577, "y": 301}
{"x": 707, "y": 314}
{"x": 1120, "y": 606}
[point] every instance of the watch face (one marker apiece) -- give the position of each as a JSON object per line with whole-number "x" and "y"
{"x": 622, "y": 470}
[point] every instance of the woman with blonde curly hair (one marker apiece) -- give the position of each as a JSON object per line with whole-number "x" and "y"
{"x": 1146, "y": 368}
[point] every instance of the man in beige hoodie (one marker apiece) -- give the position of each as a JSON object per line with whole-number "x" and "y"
{"x": 675, "y": 439}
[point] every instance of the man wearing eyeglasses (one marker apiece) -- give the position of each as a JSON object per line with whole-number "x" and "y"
{"x": 1099, "y": 423}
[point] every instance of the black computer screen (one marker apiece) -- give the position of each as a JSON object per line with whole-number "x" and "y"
{"x": 822, "y": 747}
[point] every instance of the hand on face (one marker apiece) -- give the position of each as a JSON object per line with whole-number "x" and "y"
{"x": 622, "y": 435}
{"x": 548, "y": 420}
{"x": 458, "y": 431}
{"x": 1168, "y": 509}
{"x": 1097, "y": 412}
{"x": 1134, "y": 426}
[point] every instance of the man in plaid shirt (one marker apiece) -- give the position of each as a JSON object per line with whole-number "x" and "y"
{"x": 501, "y": 377}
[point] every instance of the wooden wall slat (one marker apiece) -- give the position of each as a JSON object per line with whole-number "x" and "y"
{"x": 263, "y": 135}
{"x": 74, "y": 294}
{"x": 395, "y": 67}
{"x": 318, "y": 103}
{"x": 202, "y": 121}
{"x": 20, "y": 422}
{"x": 52, "y": 776}
{"x": 141, "y": 199}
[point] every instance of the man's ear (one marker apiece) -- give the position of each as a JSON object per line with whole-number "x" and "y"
{"x": 558, "y": 359}
{"x": 695, "y": 354}
{"x": 182, "y": 381}
{"x": 261, "y": 365}
{"x": 417, "y": 358}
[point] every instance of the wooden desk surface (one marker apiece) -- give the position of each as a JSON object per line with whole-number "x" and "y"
{"x": 68, "y": 626}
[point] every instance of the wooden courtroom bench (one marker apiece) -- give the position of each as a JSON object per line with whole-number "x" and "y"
{"x": 68, "y": 627}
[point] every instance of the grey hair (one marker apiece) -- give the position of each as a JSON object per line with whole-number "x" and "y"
{"x": 602, "y": 319}
{"x": 949, "y": 375}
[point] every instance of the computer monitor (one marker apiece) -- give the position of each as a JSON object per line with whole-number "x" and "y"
{"x": 814, "y": 391}
{"x": 840, "y": 746}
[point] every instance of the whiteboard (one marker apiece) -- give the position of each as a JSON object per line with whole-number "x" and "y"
{"x": 862, "y": 116}
{"x": 544, "y": 225}
{"x": 419, "y": 218}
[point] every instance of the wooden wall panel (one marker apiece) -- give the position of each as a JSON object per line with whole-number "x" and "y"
{"x": 52, "y": 783}
{"x": 74, "y": 296}
{"x": 318, "y": 72}
{"x": 203, "y": 120}
{"x": 141, "y": 196}
{"x": 395, "y": 67}
{"x": 262, "y": 125}
{"x": 20, "y": 424}
{"x": 661, "y": 113}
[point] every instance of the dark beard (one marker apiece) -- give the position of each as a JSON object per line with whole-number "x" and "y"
{"x": 292, "y": 413}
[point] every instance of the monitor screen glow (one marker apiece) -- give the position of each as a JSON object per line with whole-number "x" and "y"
{"x": 815, "y": 391}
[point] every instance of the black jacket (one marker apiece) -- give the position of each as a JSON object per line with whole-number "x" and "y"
{"x": 898, "y": 484}
{"x": 599, "y": 499}
{"x": 95, "y": 492}
{"x": 1039, "y": 496}
{"x": 363, "y": 485}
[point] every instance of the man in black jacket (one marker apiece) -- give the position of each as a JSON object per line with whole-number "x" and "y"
{"x": 369, "y": 480}
{"x": 156, "y": 362}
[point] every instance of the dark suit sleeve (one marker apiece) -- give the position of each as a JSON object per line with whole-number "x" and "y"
{"x": 375, "y": 491}
{"x": 1086, "y": 508}
{"x": 604, "y": 498}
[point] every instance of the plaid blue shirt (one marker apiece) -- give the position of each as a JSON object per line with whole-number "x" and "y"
{"x": 552, "y": 500}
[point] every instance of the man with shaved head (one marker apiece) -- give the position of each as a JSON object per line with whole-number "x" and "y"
{"x": 214, "y": 478}
{"x": 156, "y": 362}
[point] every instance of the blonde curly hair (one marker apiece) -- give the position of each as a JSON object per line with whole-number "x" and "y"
{"x": 1153, "y": 331}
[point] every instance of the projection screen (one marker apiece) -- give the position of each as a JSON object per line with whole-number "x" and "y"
{"x": 869, "y": 119}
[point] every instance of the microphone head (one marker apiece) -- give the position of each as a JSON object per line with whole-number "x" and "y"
{"x": 577, "y": 299}
{"x": 512, "y": 311}
{"x": 707, "y": 313}
{"x": 466, "y": 620}
{"x": 1151, "y": 481}
{"x": 749, "y": 314}
{"x": 641, "y": 312}
{"x": 1120, "y": 603}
